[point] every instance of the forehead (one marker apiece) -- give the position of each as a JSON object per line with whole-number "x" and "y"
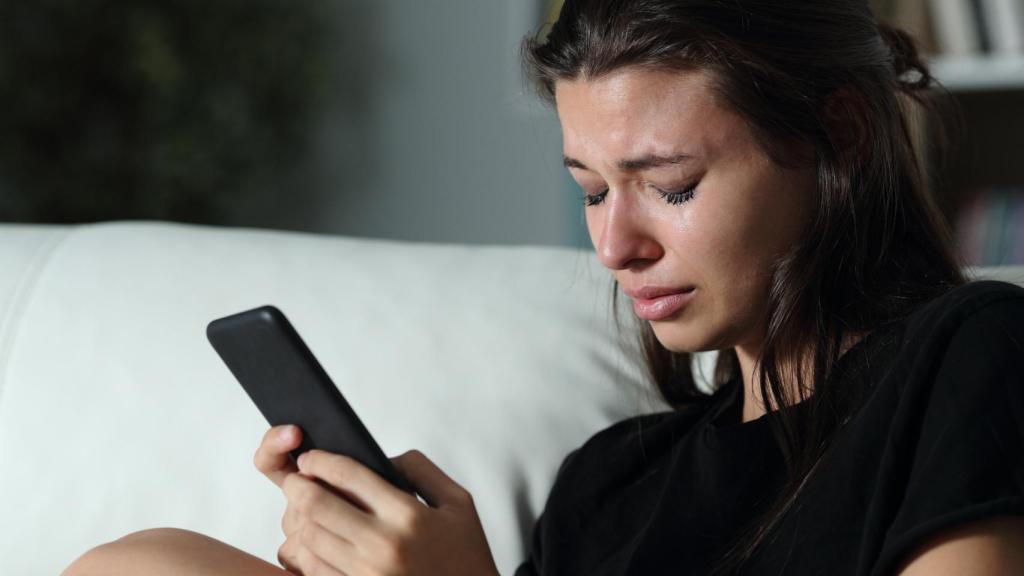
{"x": 637, "y": 111}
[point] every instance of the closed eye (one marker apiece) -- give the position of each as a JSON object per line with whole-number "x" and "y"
{"x": 674, "y": 198}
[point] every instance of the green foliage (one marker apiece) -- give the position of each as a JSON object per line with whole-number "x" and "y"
{"x": 149, "y": 109}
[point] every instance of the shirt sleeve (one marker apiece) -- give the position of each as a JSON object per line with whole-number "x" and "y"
{"x": 964, "y": 436}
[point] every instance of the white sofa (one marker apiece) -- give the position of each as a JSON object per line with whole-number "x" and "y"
{"x": 116, "y": 415}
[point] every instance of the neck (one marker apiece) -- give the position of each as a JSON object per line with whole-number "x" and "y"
{"x": 753, "y": 404}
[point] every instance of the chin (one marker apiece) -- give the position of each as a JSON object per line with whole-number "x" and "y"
{"x": 677, "y": 338}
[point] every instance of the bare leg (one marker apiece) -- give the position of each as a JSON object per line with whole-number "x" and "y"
{"x": 167, "y": 552}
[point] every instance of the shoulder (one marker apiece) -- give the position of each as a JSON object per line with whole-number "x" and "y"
{"x": 955, "y": 427}
{"x": 623, "y": 452}
{"x": 965, "y": 341}
{"x": 647, "y": 434}
{"x": 968, "y": 305}
{"x": 990, "y": 318}
{"x": 613, "y": 442}
{"x": 972, "y": 323}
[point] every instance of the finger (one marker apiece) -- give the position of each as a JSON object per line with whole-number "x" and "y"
{"x": 311, "y": 564}
{"x": 355, "y": 481}
{"x": 287, "y": 556}
{"x": 436, "y": 487}
{"x": 291, "y": 521}
{"x": 317, "y": 503}
{"x": 272, "y": 458}
{"x": 335, "y": 552}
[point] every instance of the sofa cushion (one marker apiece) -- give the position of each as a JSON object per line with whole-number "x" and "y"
{"x": 116, "y": 414}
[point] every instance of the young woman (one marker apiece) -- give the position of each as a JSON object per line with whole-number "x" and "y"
{"x": 750, "y": 181}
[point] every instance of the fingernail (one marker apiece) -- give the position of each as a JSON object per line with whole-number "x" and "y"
{"x": 285, "y": 435}
{"x": 302, "y": 458}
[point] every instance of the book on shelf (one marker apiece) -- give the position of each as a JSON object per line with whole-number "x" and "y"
{"x": 1003, "y": 24}
{"x": 959, "y": 28}
{"x": 990, "y": 228}
{"x": 957, "y": 31}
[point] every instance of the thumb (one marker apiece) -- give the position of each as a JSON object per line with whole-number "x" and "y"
{"x": 436, "y": 487}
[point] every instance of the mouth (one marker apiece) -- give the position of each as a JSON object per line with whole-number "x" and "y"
{"x": 659, "y": 303}
{"x": 652, "y": 292}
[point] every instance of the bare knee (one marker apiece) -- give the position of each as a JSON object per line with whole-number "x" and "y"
{"x": 92, "y": 563}
{"x": 167, "y": 551}
{"x": 108, "y": 557}
{"x": 160, "y": 534}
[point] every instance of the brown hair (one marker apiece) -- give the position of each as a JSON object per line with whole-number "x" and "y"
{"x": 829, "y": 74}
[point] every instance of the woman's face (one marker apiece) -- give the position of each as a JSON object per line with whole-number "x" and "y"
{"x": 682, "y": 201}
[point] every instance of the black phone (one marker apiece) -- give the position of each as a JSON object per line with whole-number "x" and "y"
{"x": 288, "y": 385}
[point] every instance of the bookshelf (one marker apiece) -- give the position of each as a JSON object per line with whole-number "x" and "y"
{"x": 979, "y": 184}
{"x": 980, "y": 73}
{"x": 975, "y": 48}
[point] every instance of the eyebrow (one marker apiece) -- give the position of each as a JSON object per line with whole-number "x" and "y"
{"x": 634, "y": 164}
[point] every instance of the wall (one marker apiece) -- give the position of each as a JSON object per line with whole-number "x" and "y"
{"x": 435, "y": 135}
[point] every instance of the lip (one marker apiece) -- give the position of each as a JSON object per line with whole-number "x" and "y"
{"x": 653, "y": 303}
{"x": 651, "y": 292}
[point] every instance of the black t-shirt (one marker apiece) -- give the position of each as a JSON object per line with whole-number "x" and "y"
{"x": 938, "y": 441}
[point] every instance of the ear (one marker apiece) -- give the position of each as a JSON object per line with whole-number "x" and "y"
{"x": 846, "y": 116}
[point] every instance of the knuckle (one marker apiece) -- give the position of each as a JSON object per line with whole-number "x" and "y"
{"x": 288, "y": 485}
{"x": 295, "y": 489}
{"x": 282, "y": 553}
{"x": 342, "y": 468}
{"x": 321, "y": 569}
{"x": 409, "y": 519}
{"x": 308, "y": 498}
{"x": 286, "y": 556}
{"x": 307, "y": 535}
{"x": 291, "y": 483}
{"x": 465, "y": 498}
{"x": 343, "y": 471}
{"x": 291, "y": 522}
{"x": 462, "y": 496}
{"x": 305, "y": 559}
{"x": 412, "y": 458}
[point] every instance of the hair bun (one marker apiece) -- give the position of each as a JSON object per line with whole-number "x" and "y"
{"x": 905, "y": 58}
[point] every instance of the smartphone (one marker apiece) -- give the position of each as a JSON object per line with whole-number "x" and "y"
{"x": 288, "y": 385}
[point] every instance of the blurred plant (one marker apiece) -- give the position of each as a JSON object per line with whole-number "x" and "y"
{"x": 154, "y": 109}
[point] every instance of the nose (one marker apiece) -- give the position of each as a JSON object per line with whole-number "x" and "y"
{"x": 624, "y": 238}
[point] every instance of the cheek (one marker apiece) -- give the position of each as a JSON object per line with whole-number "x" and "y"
{"x": 593, "y": 221}
{"x": 731, "y": 246}
{"x": 747, "y": 229}
{"x": 719, "y": 242}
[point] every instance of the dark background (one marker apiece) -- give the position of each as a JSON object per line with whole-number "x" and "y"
{"x": 385, "y": 118}
{"x": 379, "y": 118}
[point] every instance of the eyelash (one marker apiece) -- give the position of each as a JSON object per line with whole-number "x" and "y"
{"x": 673, "y": 198}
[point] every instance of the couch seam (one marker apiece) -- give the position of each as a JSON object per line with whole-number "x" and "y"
{"x": 22, "y": 297}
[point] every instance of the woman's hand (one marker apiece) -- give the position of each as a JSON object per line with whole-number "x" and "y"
{"x": 272, "y": 458}
{"x": 343, "y": 519}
